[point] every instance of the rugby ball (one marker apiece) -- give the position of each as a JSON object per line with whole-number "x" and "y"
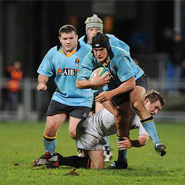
{"x": 99, "y": 71}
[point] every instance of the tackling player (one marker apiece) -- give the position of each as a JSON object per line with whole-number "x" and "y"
{"x": 63, "y": 61}
{"x": 91, "y": 132}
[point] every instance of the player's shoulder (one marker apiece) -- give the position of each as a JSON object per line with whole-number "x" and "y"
{"x": 83, "y": 50}
{"x": 111, "y": 35}
{"x": 119, "y": 52}
{"x": 81, "y": 39}
{"x": 53, "y": 49}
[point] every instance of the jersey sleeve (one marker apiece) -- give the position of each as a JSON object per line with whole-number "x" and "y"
{"x": 46, "y": 66}
{"x": 85, "y": 68}
{"x": 114, "y": 41}
{"x": 125, "y": 71}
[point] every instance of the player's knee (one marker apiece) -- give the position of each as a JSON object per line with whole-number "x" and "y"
{"x": 72, "y": 133}
{"x": 137, "y": 105}
{"x": 50, "y": 131}
{"x": 97, "y": 166}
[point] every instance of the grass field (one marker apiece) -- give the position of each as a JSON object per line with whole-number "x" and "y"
{"x": 21, "y": 143}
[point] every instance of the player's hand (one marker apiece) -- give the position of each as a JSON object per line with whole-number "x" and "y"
{"x": 104, "y": 96}
{"x": 41, "y": 87}
{"x": 102, "y": 80}
{"x": 160, "y": 149}
{"x": 125, "y": 144}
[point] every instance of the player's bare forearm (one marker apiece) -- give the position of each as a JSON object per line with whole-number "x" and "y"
{"x": 127, "y": 143}
{"x": 42, "y": 81}
{"x": 141, "y": 141}
{"x": 124, "y": 87}
{"x": 84, "y": 84}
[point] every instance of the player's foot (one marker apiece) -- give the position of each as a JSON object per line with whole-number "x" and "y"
{"x": 118, "y": 165}
{"x": 107, "y": 154}
{"x": 81, "y": 153}
{"x": 54, "y": 161}
{"x": 42, "y": 160}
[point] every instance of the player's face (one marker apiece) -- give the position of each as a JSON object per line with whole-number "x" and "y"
{"x": 153, "y": 108}
{"x": 68, "y": 41}
{"x": 91, "y": 32}
{"x": 100, "y": 54}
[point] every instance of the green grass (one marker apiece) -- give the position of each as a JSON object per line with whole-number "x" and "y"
{"x": 21, "y": 143}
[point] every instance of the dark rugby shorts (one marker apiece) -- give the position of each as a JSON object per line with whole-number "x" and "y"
{"x": 142, "y": 81}
{"x": 79, "y": 112}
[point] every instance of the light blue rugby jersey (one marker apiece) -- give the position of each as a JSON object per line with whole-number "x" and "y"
{"x": 114, "y": 41}
{"x": 65, "y": 70}
{"x": 121, "y": 65}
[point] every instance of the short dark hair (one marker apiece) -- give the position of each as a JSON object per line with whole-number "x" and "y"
{"x": 67, "y": 29}
{"x": 154, "y": 96}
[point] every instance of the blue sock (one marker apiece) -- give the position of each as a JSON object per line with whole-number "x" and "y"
{"x": 150, "y": 127}
{"x": 50, "y": 145}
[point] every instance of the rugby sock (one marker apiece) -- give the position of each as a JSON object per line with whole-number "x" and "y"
{"x": 107, "y": 145}
{"x": 50, "y": 144}
{"x": 75, "y": 161}
{"x": 150, "y": 127}
{"x": 122, "y": 154}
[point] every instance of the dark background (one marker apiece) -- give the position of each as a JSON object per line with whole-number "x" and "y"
{"x": 28, "y": 29}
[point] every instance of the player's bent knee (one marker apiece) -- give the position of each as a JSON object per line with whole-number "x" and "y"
{"x": 137, "y": 105}
{"x": 73, "y": 134}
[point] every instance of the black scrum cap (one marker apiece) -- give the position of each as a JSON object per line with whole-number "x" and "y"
{"x": 101, "y": 40}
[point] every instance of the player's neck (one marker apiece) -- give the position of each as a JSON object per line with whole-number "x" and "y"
{"x": 68, "y": 52}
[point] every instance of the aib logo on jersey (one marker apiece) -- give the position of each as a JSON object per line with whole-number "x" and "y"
{"x": 69, "y": 72}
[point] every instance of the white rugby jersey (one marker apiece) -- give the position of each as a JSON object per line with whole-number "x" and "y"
{"x": 103, "y": 124}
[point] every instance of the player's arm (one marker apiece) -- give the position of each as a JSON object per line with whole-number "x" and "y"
{"x": 42, "y": 81}
{"x": 98, "y": 81}
{"x": 123, "y": 88}
{"x": 127, "y": 143}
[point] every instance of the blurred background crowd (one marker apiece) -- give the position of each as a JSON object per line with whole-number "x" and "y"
{"x": 154, "y": 30}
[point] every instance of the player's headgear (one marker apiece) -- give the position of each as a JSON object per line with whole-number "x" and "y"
{"x": 94, "y": 21}
{"x": 101, "y": 40}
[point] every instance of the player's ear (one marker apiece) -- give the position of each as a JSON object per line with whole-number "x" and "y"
{"x": 147, "y": 100}
{"x": 77, "y": 37}
{"x": 59, "y": 38}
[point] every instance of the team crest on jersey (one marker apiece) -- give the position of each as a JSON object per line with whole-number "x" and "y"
{"x": 77, "y": 60}
{"x": 59, "y": 72}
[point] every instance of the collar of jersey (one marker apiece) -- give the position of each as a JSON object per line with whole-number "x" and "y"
{"x": 72, "y": 52}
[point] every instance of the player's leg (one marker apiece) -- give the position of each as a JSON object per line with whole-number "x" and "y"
{"x": 56, "y": 115}
{"x": 97, "y": 161}
{"x": 73, "y": 161}
{"x": 123, "y": 120}
{"x": 53, "y": 123}
{"x": 121, "y": 162}
{"x": 73, "y": 122}
{"x": 137, "y": 97}
{"x": 106, "y": 148}
{"x": 107, "y": 154}
{"x": 76, "y": 115}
